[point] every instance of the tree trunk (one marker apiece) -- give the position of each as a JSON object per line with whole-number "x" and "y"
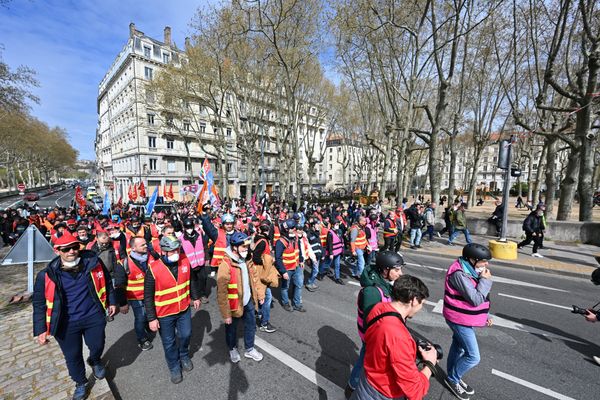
{"x": 568, "y": 186}
{"x": 473, "y": 179}
{"x": 539, "y": 173}
{"x": 529, "y": 179}
{"x": 386, "y": 163}
{"x": 586, "y": 166}
{"x": 452, "y": 169}
{"x": 550, "y": 176}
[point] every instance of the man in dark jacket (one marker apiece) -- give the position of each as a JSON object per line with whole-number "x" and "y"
{"x": 533, "y": 227}
{"x": 496, "y": 217}
{"x": 72, "y": 296}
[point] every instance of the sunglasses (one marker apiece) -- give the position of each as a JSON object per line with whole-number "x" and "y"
{"x": 68, "y": 249}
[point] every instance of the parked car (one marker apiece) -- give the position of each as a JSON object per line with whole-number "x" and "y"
{"x": 32, "y": 197}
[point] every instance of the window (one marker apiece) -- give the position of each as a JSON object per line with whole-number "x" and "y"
{"x": 171, "y": 166}
{"x": 186, "y": 126}
{"x": 229, "y": 167}
{"x": 330, "y": 157}
{"x": 166, "y": 58}
{"x": 150, "y": 119}
{"x": 153, "y": 163}
{"x": 534, "y": 167}
{"x": 202, "y": 128}
{"x": 170, "y": 144}
{"x": 148, "y": 73}
{"x": 331, "y": 150}
{"x": 152, "y": 141}
{"x": 169, "y": 120}
{"x": 147, "y": 51}
{"x": 330, "y": 177}
{"x": 228, "y": 132}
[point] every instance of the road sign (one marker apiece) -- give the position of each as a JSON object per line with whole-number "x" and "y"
{"x": 21, "y": 187}
{"x": 31, "y": 247}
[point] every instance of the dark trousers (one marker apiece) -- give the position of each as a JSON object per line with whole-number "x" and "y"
{"x": 249, "y": 321}
{"x": 388, "y": 243}
{"x": 175, "y": 328}
{"x": 200, "y": 274}
{"x": 398, "y": 241}
{"x": 69, "y": 338}
{"x": 537, "y": 240}
{"x": 448, "y": 228}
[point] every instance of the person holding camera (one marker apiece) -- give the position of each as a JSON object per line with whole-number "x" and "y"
{"x": 592, "y": 314}
{"x": 390, "y": 368}
{"x": 466, "y": 305}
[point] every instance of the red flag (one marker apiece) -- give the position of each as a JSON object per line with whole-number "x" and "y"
{"x": 120, "y": 202}
{"x": 142, "y": 190}
{"x": 171, "y": 195}
{"x": 133, "y": 193}
{"x": 79, "y": 197}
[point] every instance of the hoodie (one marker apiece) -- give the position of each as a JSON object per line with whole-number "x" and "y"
{"x": 369, "y": 296}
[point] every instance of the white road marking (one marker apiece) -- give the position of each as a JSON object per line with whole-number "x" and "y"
{"x": 533, "y": 301}
{"x": 427, "y": 266}
{"x": 334, "y": 392}
{"x": 354, "y": 283}
{"x": 533, "y": 386}
{"x": 56, "y": 202}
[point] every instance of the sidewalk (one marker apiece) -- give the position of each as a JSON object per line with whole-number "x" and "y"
{"x": 562, "y": 258}
{"x": 28, "y": 370}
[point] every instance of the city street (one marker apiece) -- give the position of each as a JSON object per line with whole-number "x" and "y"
{"x": 537, "y": 349}
{"x": 61, "y": 198}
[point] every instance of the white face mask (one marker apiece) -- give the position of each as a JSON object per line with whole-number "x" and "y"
{"x": 71, "y": 264}
{"x": 83, "y": 238}
{"x": 189, "y": 231}
{"x": 115, "y": 235}
{"x": 243, "y": 254}
{"x": 173, "y": 257}
{"x": 479, "y": 270}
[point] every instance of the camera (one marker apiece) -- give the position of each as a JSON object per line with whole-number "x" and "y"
{"x": 427, "y": 346}
{"x": 579, "y": 310}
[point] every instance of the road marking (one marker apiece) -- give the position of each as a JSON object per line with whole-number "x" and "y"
{"x": 354, "y": 283}
{"x": 533, "y": 301}
{"x": 427, "y": 266}
{"x": 56, "y": 202}
{"x": 537, "y": 388}
{"x": 334, "y": 392}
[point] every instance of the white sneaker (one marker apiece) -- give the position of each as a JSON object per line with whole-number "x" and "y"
{"x": 538, "y": 255}
{"x": 212, "y": 274}
{"x": 597, "y": 359}
{"x": 253, "y": 354}
{"x": 234, "y": 356}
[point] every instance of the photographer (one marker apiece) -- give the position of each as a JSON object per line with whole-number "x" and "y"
{"x": 591, "y": 314}
{"x": 390, "y": 369}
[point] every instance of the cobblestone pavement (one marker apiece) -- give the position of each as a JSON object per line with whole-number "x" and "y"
{"x": 27, "y": 370}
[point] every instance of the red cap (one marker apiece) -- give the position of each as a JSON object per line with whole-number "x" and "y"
{"x": 72, "y": 221}
{"x": 65, "y": 240}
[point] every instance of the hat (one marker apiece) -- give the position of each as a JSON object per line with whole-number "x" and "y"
{"x": 65, "y": 240}
{"x": 289, "y": 224}
{"x": 72, "y": 221}
{"x": 169, "y": 243}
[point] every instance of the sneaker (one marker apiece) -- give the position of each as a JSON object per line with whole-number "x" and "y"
{"x": 597, "y": 359}
{"x": 267, "y": 328}
{"x": 234, "y": 356}
{"x": 450, "y": 244}
{"x": 468, "y": 389}
{"x": 253, "y": 354}
{"x": 418, "y": 246}
{"x": 439, "y": 235}
{"x": 339, "y": 281}
{"x": 412, "y": 246}
{"x": 145, "y": 345}
{"x": 311, "y": 287}
{"x": 204, "y": 300}
{"x": 176, "y": 376}
{"x": 300, "y": 308}
{"x": 80, "y": 391}
{"x": 538, "y": 255}
{"x": 186, "y": 364}
{"x": 99, "y": 371}
{"x": 287, "y": 307}
{"x": 457, "y": 390}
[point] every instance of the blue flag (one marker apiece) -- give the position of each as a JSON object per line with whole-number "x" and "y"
{"x": 105, "y": 204}
{"x": 151, "y": 202}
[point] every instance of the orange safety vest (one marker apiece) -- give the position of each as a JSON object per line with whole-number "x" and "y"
{"x": 392, "y": 231}
{"x": 267, "y": 246}
{"x": 323, "y": 236}
{"x": 291, "y": 254}
{"x": 276, "y": 234}
{"x": 361, "y": 239}
{"x": 50, "y": 290}
{"x": 219, "y": 249}
{"x": 232, "y": 287}
{"x": 170, "y": 296}
{"x": 135, "y": 281}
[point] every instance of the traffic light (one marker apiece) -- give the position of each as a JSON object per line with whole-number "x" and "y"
{"x": 504, "y": 154}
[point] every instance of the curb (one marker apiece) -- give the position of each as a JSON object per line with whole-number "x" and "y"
{"x": 511, "y": 264}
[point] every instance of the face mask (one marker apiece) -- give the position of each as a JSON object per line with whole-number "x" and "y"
{"x": 479, "y": 270}
{"x": 173, "y": 257}
{"x": 243, "y": 254}
{"x": 115, "y": 235}
{"x": 71, "y": 264}
{"x": 140, "y": 257}
{"x": 83, "y": 238}
{"x": 189, "y": 231}
{"x": 135, "y": 226}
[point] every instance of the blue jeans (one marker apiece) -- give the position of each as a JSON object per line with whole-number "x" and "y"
{"x": 357, "y": 369}
{"x": 69, "y": 337}
{"x": 336, "y": 265}
{"x": 415, "y": 236}
{"x": 140, "y": 324}
{"x": 360, "y": 262}
{"x": 313, "y": 273}
{"x": 456, "y": 232}
{"x": 265, "y": 309}
{"x": 249, "y": 319}
{"x": 370, "y": 257}
{"x": 296, "y": 278}
{"x": 464, "y": 351}
{"x": 429, "y": 232}
{"x": 173, "y": 328}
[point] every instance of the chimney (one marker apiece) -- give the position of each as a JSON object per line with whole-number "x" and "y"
{"x": 168, "y": 35}
{"x": 131, "y": 29}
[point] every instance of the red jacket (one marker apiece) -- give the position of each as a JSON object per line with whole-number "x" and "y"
{"x": 390, "y": 357}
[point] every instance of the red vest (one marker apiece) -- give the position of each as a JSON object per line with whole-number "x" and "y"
{"x": 232, "y": 287}
{"x": 267, "y": 246}
{"x": 323, "y": 236}
{"x": 291, "y": 254}
{"x": 361, "y": 238}
{"x": 170, "y": 296}
{"x": 219, "y": 249}
{"x": 392, "y": 231}
{"x": 135, "y": 281}
{"x": 457, "y": 309}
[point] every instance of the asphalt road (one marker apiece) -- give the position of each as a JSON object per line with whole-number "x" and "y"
{"x": 536, "y": 350}
{"x": 62, "y": 198}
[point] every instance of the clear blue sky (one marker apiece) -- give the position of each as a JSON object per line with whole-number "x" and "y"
{"x": 71, "y": 45}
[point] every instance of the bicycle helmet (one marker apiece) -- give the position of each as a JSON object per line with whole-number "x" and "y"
{"x": 477, "y": 252}
{"x": 388, "y": 259}
{"x": 227, "y": 219}
{"x": 239, "y": 238}
{"x": 188, "y": 223}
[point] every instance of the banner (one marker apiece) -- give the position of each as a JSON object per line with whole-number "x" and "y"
{"x": 193, "y": 189}
{"x": 142, "y": 190}
{"x": 151, "y": 202}
{"x": 133, "y": 192}
{"x": 209, "y": 190}
{"x": 79, "y": 197}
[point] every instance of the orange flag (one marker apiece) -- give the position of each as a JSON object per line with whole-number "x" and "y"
{"x": 142, "y": 190}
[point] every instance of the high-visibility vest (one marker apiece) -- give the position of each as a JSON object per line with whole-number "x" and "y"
{"x": 267, "y": 245}
{"x": 392, "y": 231}
{"x": 98, "y": 279}
{"x": 336, "y": 243}
{"x": 457, "y": 309}
{"x": 135, "y": 281}
{"x": 155, "y": 243}
{"x": 233, "y": 296}
{"x": 129, "y": 233}
{"x": 373, "y": 241}
{"x": 291, "y": 253}
{"x": 90, "y": 245}
{"x": 170, "y": 296}
{"x": 219, "y": 249}
{"x": 361, "y": 239}
{"x": 194, "y": 253}
{"x": 276, "y": 234}
{"x": 324, "y": 232}
{"x": 117, "y": 246}
{"x": 360, "y": 316}
{"x": 154, "y": 232}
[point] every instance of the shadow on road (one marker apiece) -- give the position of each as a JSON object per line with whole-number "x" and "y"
{"x": 201, "y": 324}
{"x": 338, "y": 355}
{"x": 121, "y": 354}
